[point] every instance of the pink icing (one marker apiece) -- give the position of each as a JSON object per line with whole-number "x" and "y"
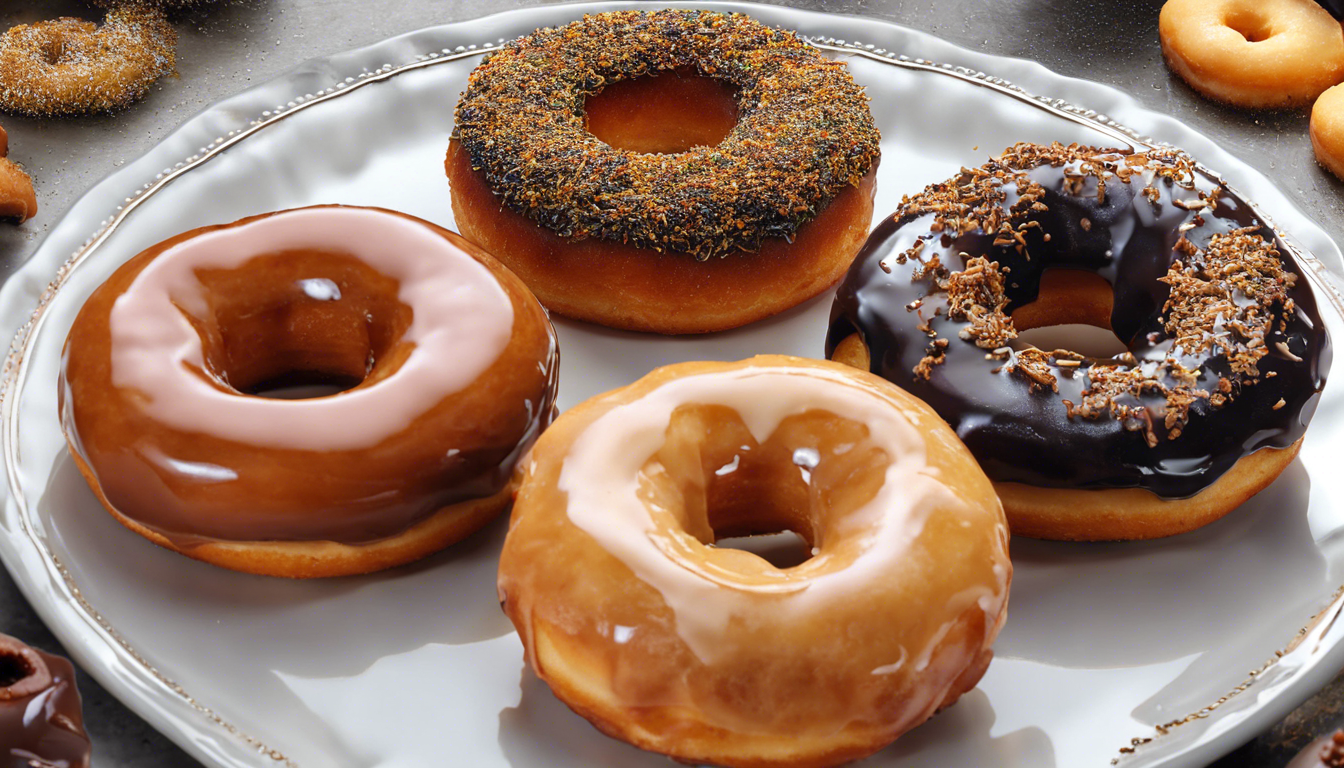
{"x": 462, "y": 321}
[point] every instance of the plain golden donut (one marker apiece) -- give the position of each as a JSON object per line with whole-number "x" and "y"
{"x": 1327, "y": 130}
{"x": 1253, "y": 53}
{"x": 447, "y": 364}
{"x": 711, "y": 654}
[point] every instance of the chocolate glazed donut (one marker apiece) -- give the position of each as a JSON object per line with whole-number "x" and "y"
{"x": 41, "y": 716}
{"x": 1227, "y": 353}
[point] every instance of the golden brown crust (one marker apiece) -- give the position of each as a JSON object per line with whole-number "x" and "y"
{"x": 18, "y": 202}
{"x": 643, "y": 290}
{"x": 1327, "y": 130}
{"x": 1253, "y": 53}
{"x": 70, "y": 66}
{"x": 1124, "y": 514}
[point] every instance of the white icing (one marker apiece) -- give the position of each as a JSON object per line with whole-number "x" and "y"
{"x": 601, "y": 476}
{"x": 461, "y": 322}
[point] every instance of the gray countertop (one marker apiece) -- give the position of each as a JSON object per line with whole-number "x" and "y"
{"x": 228, "y": 46}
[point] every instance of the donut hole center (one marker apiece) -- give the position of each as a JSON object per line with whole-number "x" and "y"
{"x": 784, "y": 549}
{"x": 1250, "y": 24}
{"x": 1072, "y": 311}
{"x": 52, "y": 50}
{"x": 666, "y": 113}
{"x": 301, "y": 326}
{"x": 782, "y": 498}
{"x": 13, "y": 669}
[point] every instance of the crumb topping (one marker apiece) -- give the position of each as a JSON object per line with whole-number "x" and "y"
{"x": 804, "y": 132}
{"x": 1226, "y": 300}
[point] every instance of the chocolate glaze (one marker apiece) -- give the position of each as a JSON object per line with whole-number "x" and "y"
{"x": 41, "y": 718}
{"x": 1023, "y": 435}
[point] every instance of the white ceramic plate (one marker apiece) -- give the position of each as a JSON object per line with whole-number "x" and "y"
{"x": 1106, "y": 644}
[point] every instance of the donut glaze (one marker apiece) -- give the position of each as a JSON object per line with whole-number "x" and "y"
{"x": 1173, "y": 413}
{"x": 41, "y": 715}
{"x": 450, "y": 366}
{"x": 711, "y": 654}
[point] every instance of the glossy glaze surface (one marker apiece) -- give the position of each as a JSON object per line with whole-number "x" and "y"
{"x": 611, "y": 561}
{"x": 1022, "y": 432}
{"x": 1222, "y": 599}
{"x": 452, "y": 375}
{"x": 41, "y": 719}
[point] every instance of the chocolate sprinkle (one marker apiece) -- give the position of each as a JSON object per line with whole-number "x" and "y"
{"x": 1226, "y": 353}
{"x": 804, "y": 132}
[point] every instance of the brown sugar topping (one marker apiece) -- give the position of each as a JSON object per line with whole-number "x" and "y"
{"x": 804, "y": 132}
{"x": 1225, "y": 297}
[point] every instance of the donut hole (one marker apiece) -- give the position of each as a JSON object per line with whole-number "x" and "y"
{"x": 666, "y": 113}
{"x": 52, "y": 50}
{"x": 278, "y": 331}
{"x": 1250, "y": 24}
{"x": 784, "y": 549}
{"x": 1072, "y": 311}
{"x": 13, "y": 669}
{"x": 781, "y": 499}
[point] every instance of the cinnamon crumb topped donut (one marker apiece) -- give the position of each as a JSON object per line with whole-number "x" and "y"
{"x": 1253, "y": 53}
{"x": 697, "y": 239}
{"x": 446, "y": 364}
{"x": 74, "y": 67}
{"x": 1226, "y": 352}
{"x": 18, "y": 202}
{"x": 638, "y": 622}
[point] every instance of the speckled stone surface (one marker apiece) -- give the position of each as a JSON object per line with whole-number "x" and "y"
{"x": 229, "y": 45}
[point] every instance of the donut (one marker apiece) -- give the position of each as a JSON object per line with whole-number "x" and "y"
{"x": 639, "y": 623}
{"x": 1225, "y": 351}
{"x": 657, "y": 226}
{"x": 446, "y": 365}
{"x": 18, "y": 202}
{"x": 1325, "y": 752}
{"x": 41, "y": 715}
{"x": 69, "y": 66}
{"x": 1327, "y": 130}
{"x": 172, "y": 5}
{"x": 1253, "y": 53}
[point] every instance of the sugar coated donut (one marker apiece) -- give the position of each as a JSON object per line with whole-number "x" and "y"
{"x": 1327, "y": 130}
{"x": 18, "y": 202}
{"x": 450, "y": 366}
{"x": 75, "y": 67}
{"x": 1226, "y": 353}
{"x": 711, "y": 654}
{"x": 662, "y": 227}
{"x": 1253, "y": 53}
{"x": 41, "y": 715}
{"x": 166, "y": 4}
